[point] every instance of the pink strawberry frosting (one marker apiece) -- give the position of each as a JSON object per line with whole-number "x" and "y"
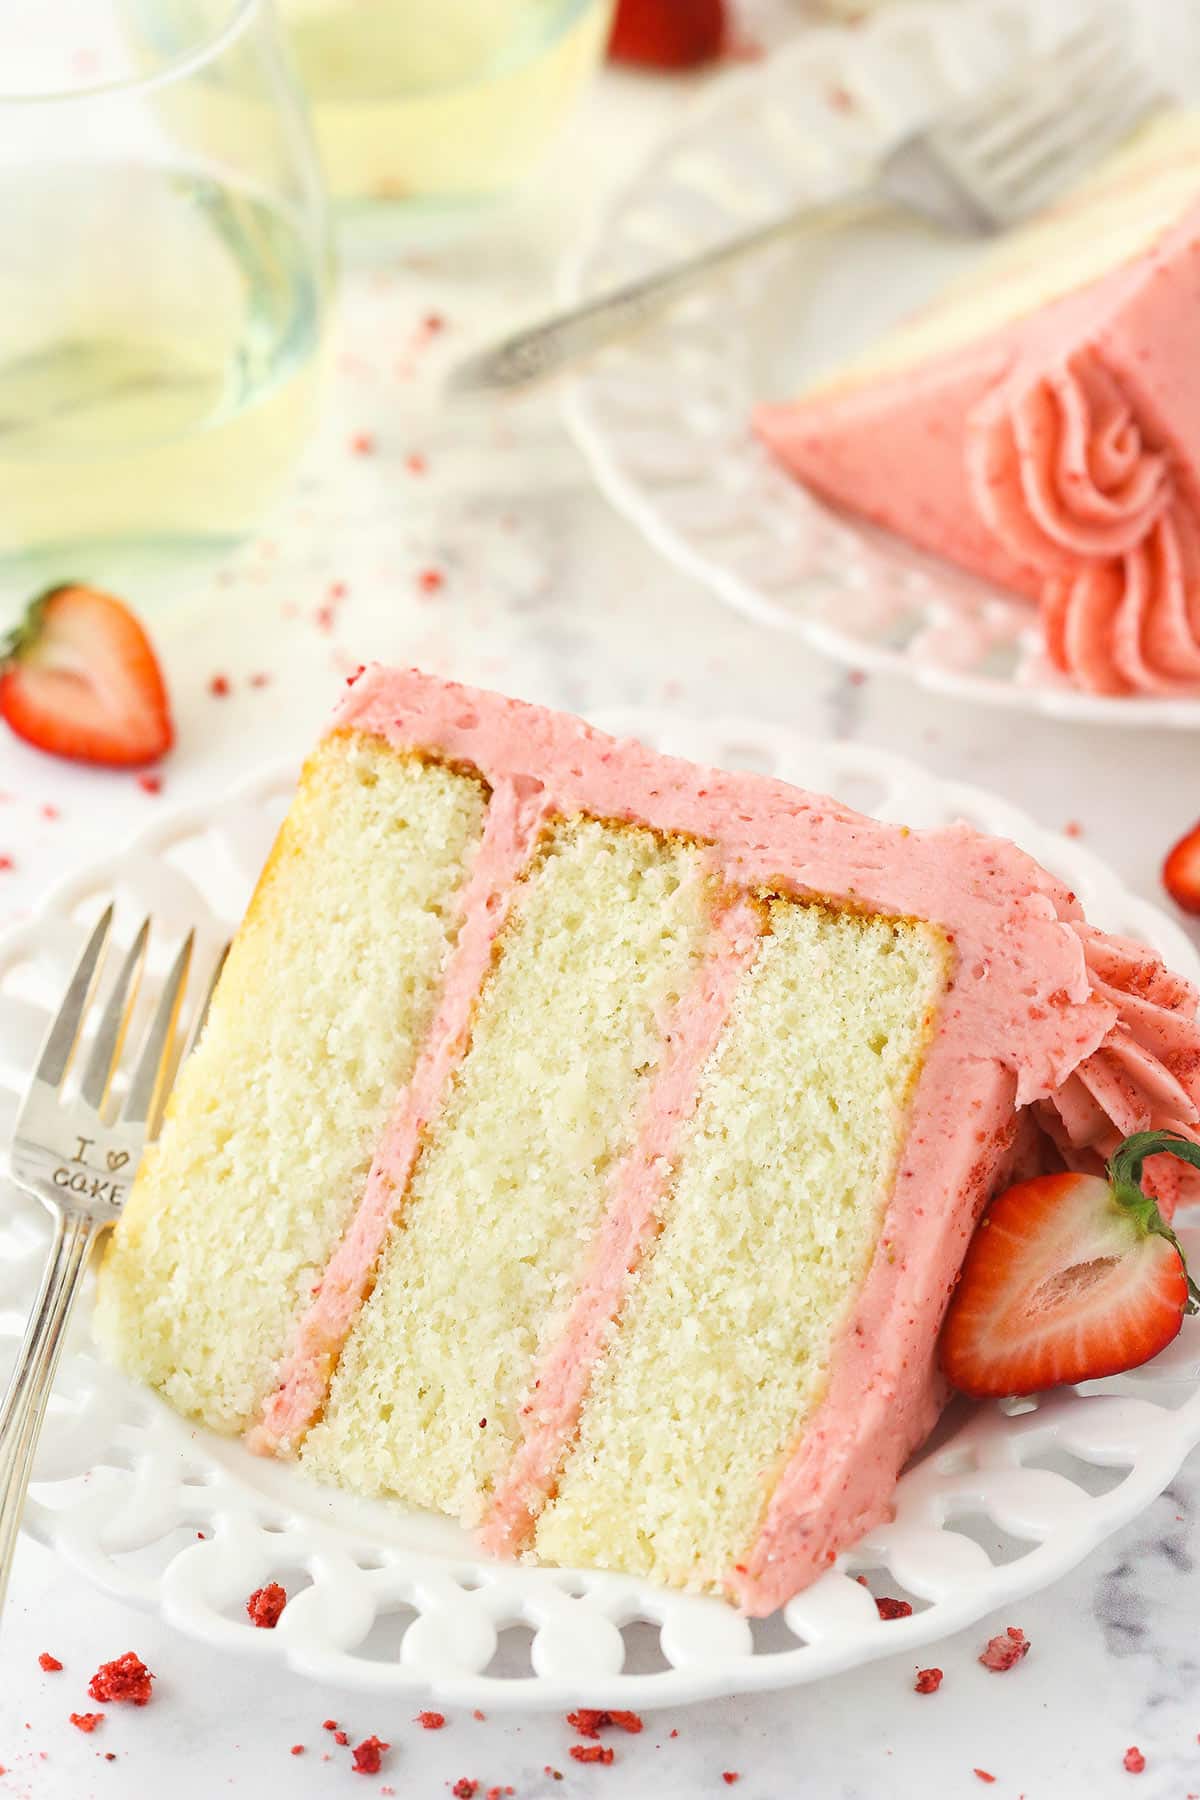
{"x": 1146, "y": 1073}
{"x": 1061, "y": 470}
{"x": 1058, "y": 456}
{"x": 1039, "y": 1009}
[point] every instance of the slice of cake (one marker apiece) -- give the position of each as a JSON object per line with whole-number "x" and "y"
{"x": 1040, "y": 423}
{"x": 585, "y": 1144}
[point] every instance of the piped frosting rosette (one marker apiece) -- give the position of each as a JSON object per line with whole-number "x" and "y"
{"x": 1062, "y": 471}
{"x": 1144, "y": 1076}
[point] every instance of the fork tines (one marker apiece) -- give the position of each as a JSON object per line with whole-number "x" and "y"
{"x": 1028, "y": 138}
{"x": 160, "y": 1052}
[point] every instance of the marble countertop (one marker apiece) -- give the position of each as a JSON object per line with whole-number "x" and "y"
{"x": 545, "y": 593}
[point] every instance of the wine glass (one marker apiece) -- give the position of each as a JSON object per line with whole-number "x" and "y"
{"x": 164, "y": 280}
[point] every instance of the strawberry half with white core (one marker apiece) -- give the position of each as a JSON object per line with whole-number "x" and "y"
{"x": 1069, "y": 1277}
{"x": 79, "y": 678}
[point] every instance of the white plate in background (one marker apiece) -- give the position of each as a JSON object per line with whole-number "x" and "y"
{"x": 665, "y": 419}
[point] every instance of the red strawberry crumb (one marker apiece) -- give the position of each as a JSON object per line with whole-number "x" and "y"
{"x": 1005, "y": 1650}
{"x": 297, "y": 1749}
{"x": 1135, "y": 1762}
{"x": 893, "y": 1609}
{"x": 6, "y": 862}
{"x": 50, "y": 812}
{"x": 430, "y": 581}
{"x": 363, "y": 443}
{"x": 150, "y": 784}
{"x": 740, "y": 48}
{"x": 218, "y": 687}
{"x": 729, "y": 1776}
{"x": 983, "y": 1775}
{"x": 588, "y": 1720}
{"x": 340, "y": 1737}
{"x": 324, "y": 618}
{"x": 928, "y": 1681}
{"x": 351, "y": 679}
{"x": 125, "y": 1678}
{"x": 478, "y": 1715}
{"x": 590, "y": 1753}
{"x": 434, "y": 322}
{"x": 415, "y": 463}
{"x": 265, "y": 1605}
{"x": 328, "y": 1724}
{"x": 260, "y": 679}
{"x": 431, "y": 1721}
{"x": 1072, "y": 829}
{"x": 109, "y": 1756}
{"x": 675, "y": 1731}
{"x": 87, "y": 1721}
{"x": 368, "y": 1755}
{"x": 49, "y": 1663}
{"x": 465, "y": 1788}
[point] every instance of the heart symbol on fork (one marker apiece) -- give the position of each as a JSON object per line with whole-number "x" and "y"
{"x": 116, "y": 1159}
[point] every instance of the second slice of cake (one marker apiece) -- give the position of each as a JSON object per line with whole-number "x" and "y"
{"x": 1039, "y": 423}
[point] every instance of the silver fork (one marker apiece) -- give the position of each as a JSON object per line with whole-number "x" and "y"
{"x": 990, "y": 162}
{"x": 78, "y": 1155}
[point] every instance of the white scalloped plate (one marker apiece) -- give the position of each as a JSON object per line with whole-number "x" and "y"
{"x": 665, "y": 419}
{"x": 391, "y": 1600}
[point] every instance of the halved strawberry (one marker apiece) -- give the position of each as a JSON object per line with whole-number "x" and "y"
{"x": 1181, "y": 871}
{"x": 78, "y": 678}
{"x": 1069, "y": 1277}
{"x": 668, "y": 34}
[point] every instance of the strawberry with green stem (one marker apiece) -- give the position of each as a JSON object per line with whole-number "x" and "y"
{"x": 1070, "y": 1277}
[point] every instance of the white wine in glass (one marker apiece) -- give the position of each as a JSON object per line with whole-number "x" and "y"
{"x": 163, "y": 286}
{"x": 430, "y": 103}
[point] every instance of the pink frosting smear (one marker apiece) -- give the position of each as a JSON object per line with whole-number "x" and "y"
{"x": 1040, "y": 1011}
{"x": 1058, "y": 456}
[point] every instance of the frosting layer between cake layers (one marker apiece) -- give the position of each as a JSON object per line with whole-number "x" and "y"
{"x": 1057, "y": 455}
{"x": 1036, "y": 1008}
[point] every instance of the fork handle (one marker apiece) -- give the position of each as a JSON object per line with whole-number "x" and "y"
{"x": 24, "y": 1403}
{"x": 577, "y": 331}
